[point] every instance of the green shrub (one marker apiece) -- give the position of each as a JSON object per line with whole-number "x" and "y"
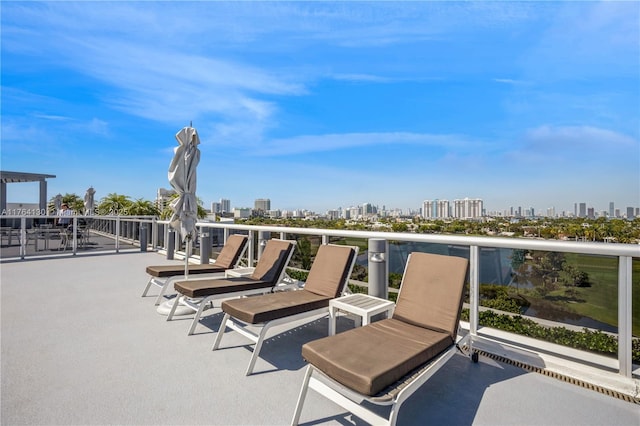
{"x": 297, "y": 274}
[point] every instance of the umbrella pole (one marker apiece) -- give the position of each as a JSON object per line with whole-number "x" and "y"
{"x": 187, "y": 251}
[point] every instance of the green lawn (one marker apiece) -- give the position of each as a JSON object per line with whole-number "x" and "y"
{"x": 600, "y": 300}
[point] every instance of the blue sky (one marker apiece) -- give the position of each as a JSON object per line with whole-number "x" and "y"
{"x": 318, "y": 105}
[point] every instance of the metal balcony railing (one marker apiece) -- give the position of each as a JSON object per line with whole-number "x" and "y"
{"x": 149, "y": 233}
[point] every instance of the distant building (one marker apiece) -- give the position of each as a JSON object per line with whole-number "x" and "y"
{"x": 163, "y": 197}
{"x": 611, "y": 209}
{"x": 333, "y": 214}
{"x": 216, "y": 208}
{"x": 436, "y": 209}
{"x": 261, "y": 206}
{"x": 583, "y": 210}
{"x": 630, "y": 213}
{"x": 467, "y": 208}
{"x": 241, "y": 213}
{"x": 225, "y": 206}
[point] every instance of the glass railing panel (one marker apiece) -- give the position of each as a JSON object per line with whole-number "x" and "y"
{"x": 565, "y": 298}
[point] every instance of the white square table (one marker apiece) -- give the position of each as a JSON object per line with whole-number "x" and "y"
{"x": 238, "y": 272}
{"x": 362, "y": 305}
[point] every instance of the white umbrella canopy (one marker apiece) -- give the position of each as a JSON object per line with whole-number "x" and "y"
{"x": 182, "y": 177}
{"x": 57, "y": 202}
{"x": 89, "y": 201}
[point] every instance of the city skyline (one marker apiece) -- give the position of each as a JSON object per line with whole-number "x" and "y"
{"x": 319, "y": 105}
{"x": 581, "y": 209}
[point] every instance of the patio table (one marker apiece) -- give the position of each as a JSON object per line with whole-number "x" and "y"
{"x": 362, "y": 305}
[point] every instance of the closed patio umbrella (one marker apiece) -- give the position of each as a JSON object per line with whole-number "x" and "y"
{"x": 182, "y": 177}
{"x": 88, "y": 201}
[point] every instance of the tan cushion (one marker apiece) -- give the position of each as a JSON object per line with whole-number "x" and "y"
{"x": 368, "y": 359}
{"x": 267, "y": 307}
{"x": 202, "y": 288}
{"x": 431, "y": 292}
{"x": 328, "y": 273}
{"x": 163, "y": 271}
{"x": 231, "y": 251}
{"x": 272, "y": 261}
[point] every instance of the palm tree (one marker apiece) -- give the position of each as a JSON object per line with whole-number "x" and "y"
{"x": 74, "y": 202}
{"x": 141, "y": 207}
{"x": 114, "y": 204}
{"x": 167, "y": 212}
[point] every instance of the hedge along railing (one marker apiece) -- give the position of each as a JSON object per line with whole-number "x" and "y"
{"x": 112, "y": 225}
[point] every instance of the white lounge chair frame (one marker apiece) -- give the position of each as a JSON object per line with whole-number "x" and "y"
{"x": 352, "y": 400}
{"x": 258, "y": 338}
{"x": 198, "y": 305}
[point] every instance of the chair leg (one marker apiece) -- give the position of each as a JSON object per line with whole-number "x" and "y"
{"x": 162, "y": 290}
{"x": 223, "y": 326}
{"x": 302, "y": 396}
{"x": 256, "y": 349}
{"x": 196, "y": 318}
{"x": 146, "y": 289}
{"x": 176, "y": 303}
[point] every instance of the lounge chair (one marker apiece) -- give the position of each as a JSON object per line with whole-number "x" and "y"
{"x": 327, "y": 279}
{"x": 386, "y": 361}
{"x": 267, "y": 275}
{"x": 164, "y": 275}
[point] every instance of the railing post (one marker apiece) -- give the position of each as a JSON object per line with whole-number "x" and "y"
{"x": 474, "y": 288}
{"x": 143, "y": 236}
{"x": 378, "y": 276}
{"x": 23, "y": 237}
{"x": 117, "y": 234}
{"x": 171, "y": 243}
{"x": 154, "y": 234}
{"x": 250, "y": 256}
{"x": 205, "y": 245}
{"x": 263, "y": 237}
{"x": 74, "y": 230}
{"x": 624, "y": 316}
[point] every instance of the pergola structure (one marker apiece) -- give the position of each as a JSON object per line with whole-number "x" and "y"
{"x": 13, "y": 177}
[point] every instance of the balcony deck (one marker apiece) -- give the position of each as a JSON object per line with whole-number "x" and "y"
{"x": 80, "y": 346}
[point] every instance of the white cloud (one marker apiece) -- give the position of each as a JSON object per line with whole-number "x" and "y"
{"x": 332, "y": 142}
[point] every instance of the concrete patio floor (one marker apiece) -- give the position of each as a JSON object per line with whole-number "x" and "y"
{"x": 79, "y": 346}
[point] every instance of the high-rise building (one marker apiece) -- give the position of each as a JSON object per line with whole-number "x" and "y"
{"x": 216, "y": 208}
{"x": 467, "y": 208}
{"x": 583, "y": 210}
{"x": 630, "y": 213}
{"x": 435, "y": 209}
{"x": 225, "y": 206}
{"x": 611, "y": 209}
{"x": 262, "y": 205}
{"x": 333, "y": 214}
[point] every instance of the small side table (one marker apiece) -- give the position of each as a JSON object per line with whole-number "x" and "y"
{"x": 238, "y": 272}
{"x": 362, "y": 305}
